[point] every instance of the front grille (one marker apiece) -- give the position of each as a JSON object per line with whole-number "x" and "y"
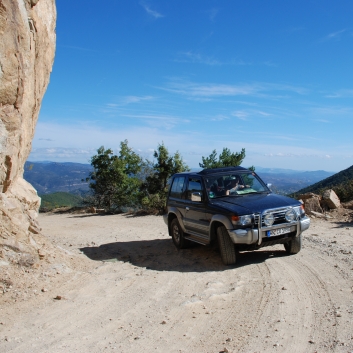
{"x": 278, "y": 214}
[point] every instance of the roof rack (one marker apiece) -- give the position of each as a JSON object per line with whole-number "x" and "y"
{"x": 221, "y": 170}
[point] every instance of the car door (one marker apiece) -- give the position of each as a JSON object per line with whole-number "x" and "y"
{"x": 177, "y": 196}
{"x": 195, "y": 217}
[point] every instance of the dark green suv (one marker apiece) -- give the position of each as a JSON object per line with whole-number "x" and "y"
{"x": 234, "y": 207}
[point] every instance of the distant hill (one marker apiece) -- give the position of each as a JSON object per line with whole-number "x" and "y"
{"x": 49, "y": 177}
{"x": 287, "y": 181}
{"x": 341, "y": 183}
{"x": 59, "y": 199}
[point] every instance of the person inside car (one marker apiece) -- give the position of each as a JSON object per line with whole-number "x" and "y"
{"x": 233, "y": 186}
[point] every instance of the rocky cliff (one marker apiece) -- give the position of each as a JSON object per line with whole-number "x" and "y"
{"x": 27, "y": 48}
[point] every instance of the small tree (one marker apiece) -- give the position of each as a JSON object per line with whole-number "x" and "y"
{"x": 154, "y": 189}
{"x": 113, "y": 182}
{"x": 225, "y": 159}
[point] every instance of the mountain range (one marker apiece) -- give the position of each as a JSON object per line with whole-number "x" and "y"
{"x": 341, "y": 183}
{"x": 50, "y": 177}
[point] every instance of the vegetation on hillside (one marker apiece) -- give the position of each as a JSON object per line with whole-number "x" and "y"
{"x": 59, "y": 199}
{"x": 341, "y": 183}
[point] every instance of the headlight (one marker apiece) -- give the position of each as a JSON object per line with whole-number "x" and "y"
{"x": 269, "y": 219}
{"x": 290, "y": 215}
{"x": 300, "y": 211}
{"x": 242, "y": 220}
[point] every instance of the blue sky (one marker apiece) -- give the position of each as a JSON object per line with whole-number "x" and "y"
{"x": 273, "y": 77}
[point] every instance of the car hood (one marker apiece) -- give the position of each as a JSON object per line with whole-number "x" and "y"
{"x": 256, "y": 203}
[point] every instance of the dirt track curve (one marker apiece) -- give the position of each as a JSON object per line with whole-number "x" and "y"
{"x": 126, "y": 288}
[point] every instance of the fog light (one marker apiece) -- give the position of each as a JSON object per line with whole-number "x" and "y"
{"x": 290, "y": 215}
{"x": 269, "y": 219}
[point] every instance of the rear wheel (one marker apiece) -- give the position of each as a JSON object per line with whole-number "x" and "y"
{"x": 294, "y": 246}
{"x": 226, "y": 246}
{"x": 178, "y": 235}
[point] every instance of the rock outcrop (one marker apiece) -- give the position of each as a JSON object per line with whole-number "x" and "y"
{"x": 330, "y": 199}
{"x": 316, "y": 204}
{"x": 27, "y": 48}
{"x": 311, "y": 203}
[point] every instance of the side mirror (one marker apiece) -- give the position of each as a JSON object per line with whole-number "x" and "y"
{"x": 196, "y": 196}
{"x": 269, "y": 186}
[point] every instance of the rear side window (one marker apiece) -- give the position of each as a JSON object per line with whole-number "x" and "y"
{"x": 178, "y": 188}
{"x": 195, "y": 186}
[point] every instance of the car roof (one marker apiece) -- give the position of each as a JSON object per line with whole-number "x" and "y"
{"x": 223, "y": 170}
{"x": 216, "y": 171}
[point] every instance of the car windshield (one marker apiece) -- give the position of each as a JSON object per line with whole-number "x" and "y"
{"x": 234, "y": 184}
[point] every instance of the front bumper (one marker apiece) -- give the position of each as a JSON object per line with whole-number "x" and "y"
{"x": 255, "y": 235}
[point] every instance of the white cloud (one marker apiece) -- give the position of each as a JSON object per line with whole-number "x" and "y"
{"x": 246, "y": 114}
{"x": 135, "y": 99}
{"x": 151, "y": 12}
{"x": 334, "y": 35}
{"x": 219, "y": 118}
{"x": 77, "y": 143}
{"x": 189, "y": 88}
{"x": 334, "y": 111}
{"x": 322, "y": 121}
{"x": 343, "y": 93}
{"x": 240, "y": 115}
{"x": 212, "y": 13}
{"x": 197, "y": 58}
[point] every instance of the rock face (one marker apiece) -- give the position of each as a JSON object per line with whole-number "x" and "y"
{"x": 27, "y": 48}
{"x": 331, "y": 200}
{"x": 316, "y": 204}
{"x": 312, "y": 204}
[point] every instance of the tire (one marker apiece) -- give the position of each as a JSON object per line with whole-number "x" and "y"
{"x": 294, "y": 246}
{"x": 226, "y": 246}
{"x": 178, "y": 235}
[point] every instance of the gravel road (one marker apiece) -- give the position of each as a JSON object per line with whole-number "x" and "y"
{"x": 116, "y": 283}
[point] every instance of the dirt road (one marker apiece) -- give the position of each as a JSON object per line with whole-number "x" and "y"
{"x": 125, "y": 288}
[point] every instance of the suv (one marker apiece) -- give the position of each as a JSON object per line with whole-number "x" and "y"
{"x": 234, "y": 206}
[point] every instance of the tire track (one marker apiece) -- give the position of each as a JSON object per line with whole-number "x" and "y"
{"x": 299, "y": 316}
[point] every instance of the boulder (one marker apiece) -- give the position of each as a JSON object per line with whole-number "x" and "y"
{"x": 348, "y": 205}
{"x": 331, "y": 200}
{"x": 27, "y": 49}
{"x": 318, "y": 214}
{"x": 309, "y": 195}
{"x": 313, "y": 204}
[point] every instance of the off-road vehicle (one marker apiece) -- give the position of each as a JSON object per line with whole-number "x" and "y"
{"x": 234, "y": 207}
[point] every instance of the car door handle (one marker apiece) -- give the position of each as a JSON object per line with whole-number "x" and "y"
{"x": 187, "y": 208}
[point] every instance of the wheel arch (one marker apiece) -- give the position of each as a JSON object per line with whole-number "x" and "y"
{"x": 174, "y": 213}
{"x": 217, "y": 221}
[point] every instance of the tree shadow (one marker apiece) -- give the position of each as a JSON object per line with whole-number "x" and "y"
{"x": 126, "y": 215}
{"x": 87, "y": 215}
{"x": 161, "y": 255}
{"x": 344, "y": 224}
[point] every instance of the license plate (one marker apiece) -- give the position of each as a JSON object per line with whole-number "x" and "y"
{"x": 279, "y": 231}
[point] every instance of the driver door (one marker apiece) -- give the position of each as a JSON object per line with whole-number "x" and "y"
{"x": 195, "y": 216}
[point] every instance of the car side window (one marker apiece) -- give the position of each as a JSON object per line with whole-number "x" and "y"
{"x": 178, "y": 188}
{"x": 195, "y": 190}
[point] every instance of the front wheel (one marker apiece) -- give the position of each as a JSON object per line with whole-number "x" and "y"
{"x": 178, "y": 235}
{"x": 226, "y": 246}
{"x": 294, "y": 246}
